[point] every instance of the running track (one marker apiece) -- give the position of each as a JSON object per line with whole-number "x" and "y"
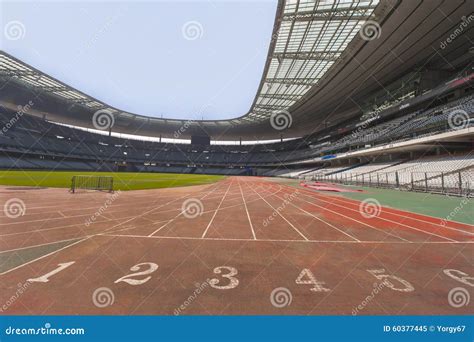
{"x": 250, "y": 237}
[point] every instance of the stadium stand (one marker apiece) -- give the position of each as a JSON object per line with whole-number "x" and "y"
{"x": 452, "y": 173}
{"x": 35, "y": 136}
{"x": 345, "y": 127}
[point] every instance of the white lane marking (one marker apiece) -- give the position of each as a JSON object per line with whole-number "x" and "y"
{"x": 353, "y": 219}
{"x": 284, "y": 218}
{"x": 315, "y": 195}
{"x": 247, "y": 211}
{"x": 174, "y": 218}
{"x": 44, "y": 256}
{"x": 88, "y": 215}
{"x": 215, "y": 213}
{"x": 78, "y": 225}
{"x": 143, "y": 214}
{"x": 82, "y": 240}
{"x": 319, "y": 219}
{"x": 378, "y": 217}
{"x": 286, "y": 240}
{"x": 122, "y": 218}
{"x": 74, "y": 207}
{"x": 40, "y": 245}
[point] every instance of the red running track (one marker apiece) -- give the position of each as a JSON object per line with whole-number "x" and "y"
{"x": 246, "y": 239}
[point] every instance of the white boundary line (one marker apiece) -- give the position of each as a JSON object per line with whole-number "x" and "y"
{"x": 174, "y": 218}
{"x": 44, "y": 256}
{"x": 350, "y": 218}
{"x": 275, "y": 240}
{"x": 42, "y": 244}
{"x": 400, "y": 215}
{"x": 378, "y": 217}
{"x": 346, "y": 200}
{"x": 123, "y": 201}
{"x": 278, "y": 212}
{"x": 247, "y": 211}
{"x": 79, "y": 225}
{"x": 319, "y": 219}
{"x": 104, "y": 221}
{"x": 88, "y": 237}
{"x": 215, "y": 213}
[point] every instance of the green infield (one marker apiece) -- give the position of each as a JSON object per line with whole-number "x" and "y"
{"x": 122, "y": 180}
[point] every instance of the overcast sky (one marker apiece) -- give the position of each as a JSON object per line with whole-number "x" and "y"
{"x": 176, "y": 59}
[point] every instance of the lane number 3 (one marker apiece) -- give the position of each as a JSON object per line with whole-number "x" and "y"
{"x": 232, "y": 281}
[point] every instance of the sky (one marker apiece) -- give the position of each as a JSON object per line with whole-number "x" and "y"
{"x": 171, "y": 59}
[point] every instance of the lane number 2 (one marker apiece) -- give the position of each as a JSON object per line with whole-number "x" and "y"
{"x": 150, "y": 267}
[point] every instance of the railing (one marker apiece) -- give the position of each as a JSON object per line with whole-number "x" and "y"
{"x": 456, "y": 183}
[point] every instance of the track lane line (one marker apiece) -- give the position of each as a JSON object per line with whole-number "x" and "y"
{"x": 278, "y": 212}
{"x": 381, "y": 218}
{"x": 321, "y": 220}
{"x": 393, "y": 211}
{"x": 277, "y": 240}
{"x": 79, "y": 225}
{"x": 177, "y": 216}
{"x": 215, "y": 213}
{"x": 87, "y": 238}
{"x": 44, "y": 256}
{"x": 40, "y": 245}
{"x": 349, "y": 218}
{"x": 247, "y": 211}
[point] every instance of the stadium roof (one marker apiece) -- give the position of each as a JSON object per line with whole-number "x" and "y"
{"x": 313, "y": 43}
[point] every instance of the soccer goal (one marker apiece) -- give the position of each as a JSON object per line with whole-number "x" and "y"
{"x": 102, "y": 183}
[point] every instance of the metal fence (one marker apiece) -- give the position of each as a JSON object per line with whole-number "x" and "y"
{"x": 457, "y": 183}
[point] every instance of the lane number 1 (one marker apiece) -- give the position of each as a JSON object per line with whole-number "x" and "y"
{"x": 45, "y": 278}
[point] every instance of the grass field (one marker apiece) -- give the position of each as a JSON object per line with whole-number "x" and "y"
{"x": 122, "y": 180}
